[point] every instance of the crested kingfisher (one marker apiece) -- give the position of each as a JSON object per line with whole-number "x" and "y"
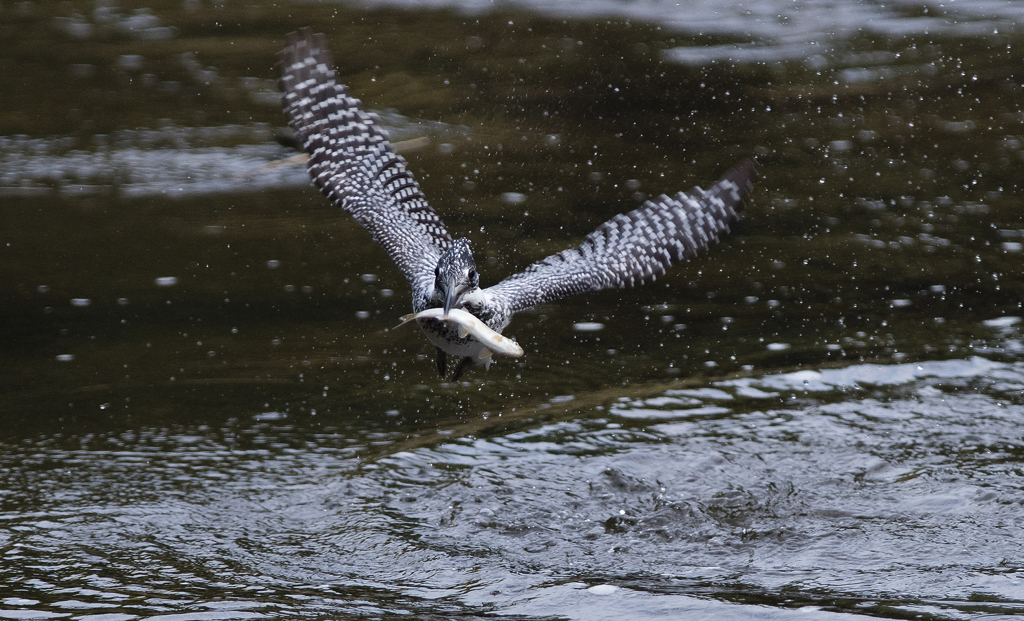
{"x": 352, "y": 163}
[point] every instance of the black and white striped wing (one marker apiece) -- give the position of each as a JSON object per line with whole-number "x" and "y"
{"x": 351, "y": 161}
{"x": 634, "y": 247}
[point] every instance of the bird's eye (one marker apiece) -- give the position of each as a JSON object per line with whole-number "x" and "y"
{"x": 472, "y": 274}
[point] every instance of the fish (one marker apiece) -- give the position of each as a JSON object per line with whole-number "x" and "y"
{"x": 468, "y": 325}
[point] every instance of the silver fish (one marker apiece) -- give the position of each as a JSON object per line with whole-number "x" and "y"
{"x": 490, "y": 342}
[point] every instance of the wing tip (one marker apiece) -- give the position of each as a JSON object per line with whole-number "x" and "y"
{"x": 305, "y": 37}
{"x": 743, "y": 176}
{"x": 299, "y": 45}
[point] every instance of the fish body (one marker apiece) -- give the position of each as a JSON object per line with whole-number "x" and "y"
{"x": 475, "y": 339}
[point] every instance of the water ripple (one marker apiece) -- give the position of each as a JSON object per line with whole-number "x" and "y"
{"x": 895, "y": 483}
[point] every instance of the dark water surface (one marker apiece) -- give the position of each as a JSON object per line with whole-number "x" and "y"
{"x": 208, "y": 413}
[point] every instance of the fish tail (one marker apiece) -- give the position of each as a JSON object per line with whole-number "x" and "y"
{"x": 406, "y": 319}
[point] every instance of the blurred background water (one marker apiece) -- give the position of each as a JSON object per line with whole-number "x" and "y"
{"x": 208, "y": 414}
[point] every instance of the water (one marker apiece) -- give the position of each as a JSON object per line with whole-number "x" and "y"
{"x": 209, "y": 414}
{"x": 873, "y": 489}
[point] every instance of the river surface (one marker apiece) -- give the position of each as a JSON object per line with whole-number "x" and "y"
{"x": 209, "y": 413}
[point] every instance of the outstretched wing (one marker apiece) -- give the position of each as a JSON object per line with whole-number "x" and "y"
{"x": 351, "y": 161}
{"x": 635, "y": 247}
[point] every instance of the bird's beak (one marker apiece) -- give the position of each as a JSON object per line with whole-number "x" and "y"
{"x": 452, "y": 294}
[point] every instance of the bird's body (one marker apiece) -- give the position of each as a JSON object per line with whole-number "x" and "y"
{"x": 353, "y": 164}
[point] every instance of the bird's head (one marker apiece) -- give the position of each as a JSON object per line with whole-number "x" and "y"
{"x": 455, "y": 275}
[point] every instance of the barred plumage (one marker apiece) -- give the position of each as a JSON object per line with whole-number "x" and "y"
{"x": 354, "y": 166}
{"x": 632, "y": 248}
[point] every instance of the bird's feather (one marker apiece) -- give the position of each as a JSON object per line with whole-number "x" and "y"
{"x": 353, "y": 164}
{"x": 634, "y": 247}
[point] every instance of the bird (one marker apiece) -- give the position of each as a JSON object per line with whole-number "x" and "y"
{"x": 355, "y": 167}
